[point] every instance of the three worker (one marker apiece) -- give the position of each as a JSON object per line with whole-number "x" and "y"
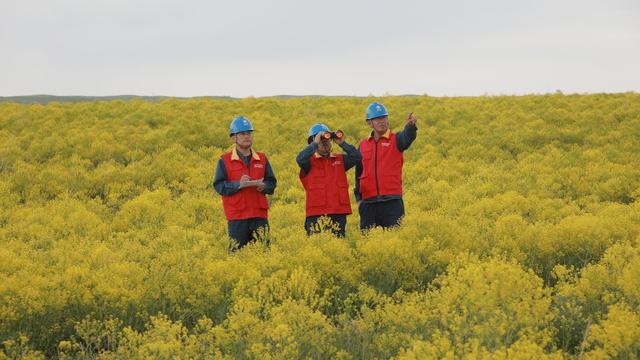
{"x": 244, "y": 176}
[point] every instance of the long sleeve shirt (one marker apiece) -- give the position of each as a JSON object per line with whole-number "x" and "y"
{"x": 404, "y": 139}
{"x": 352, "y": 156}
{"x": 225, "y": 187}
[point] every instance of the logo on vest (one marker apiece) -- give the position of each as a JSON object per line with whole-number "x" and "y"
{"x": 385, "y": 144}
{"x": 337, "y": 162}
{"x": 259, "y": 166}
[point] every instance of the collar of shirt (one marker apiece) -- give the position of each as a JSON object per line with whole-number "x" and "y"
{"x": 319, "y": 156}
{"x": 235, "y": 156}
{"x": 386, "y": 135}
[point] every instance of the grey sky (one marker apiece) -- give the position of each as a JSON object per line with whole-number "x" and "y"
{"x": 330, "y": 47}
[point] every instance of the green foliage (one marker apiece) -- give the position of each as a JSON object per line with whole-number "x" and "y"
{"x": 521, "y": 238}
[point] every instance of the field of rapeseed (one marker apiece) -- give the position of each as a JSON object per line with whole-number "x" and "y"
{"x": 521, "y": 240}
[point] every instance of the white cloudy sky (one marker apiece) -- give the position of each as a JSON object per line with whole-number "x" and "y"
{"x": 328, "y": 47}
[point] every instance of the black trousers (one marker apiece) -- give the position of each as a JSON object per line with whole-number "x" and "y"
{"x": 383, "y": 213}
{"x": 337, "y": 226}
{"x": 247, "y": 230}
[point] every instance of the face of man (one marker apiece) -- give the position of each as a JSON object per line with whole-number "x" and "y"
{"x": 380, "y": 124}
{"x": 324, "y": 147}
{"x": 244, "y": 139}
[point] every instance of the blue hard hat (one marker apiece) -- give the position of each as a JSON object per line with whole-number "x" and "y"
{"x": 376, "y": 110}
{"x": 240, "y": 124}
{"x": 316, "y": 128}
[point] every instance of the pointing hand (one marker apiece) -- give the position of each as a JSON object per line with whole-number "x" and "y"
{"x": 411, "y": 119}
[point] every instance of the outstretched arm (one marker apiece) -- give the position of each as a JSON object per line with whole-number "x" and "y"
{"x": 408, "y": 134}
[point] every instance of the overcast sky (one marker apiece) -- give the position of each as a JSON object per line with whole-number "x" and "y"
{"x": 324, "y": 47}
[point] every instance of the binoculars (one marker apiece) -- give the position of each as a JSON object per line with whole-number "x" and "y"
{"x": 332, "y": 135}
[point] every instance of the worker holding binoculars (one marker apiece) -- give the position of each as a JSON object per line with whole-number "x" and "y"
{"x": 323, "y": 176}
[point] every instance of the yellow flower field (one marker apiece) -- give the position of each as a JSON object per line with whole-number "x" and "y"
{"x": 521, "y": 240}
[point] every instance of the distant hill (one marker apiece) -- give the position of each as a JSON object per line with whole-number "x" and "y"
{"x": 45, "y": 99}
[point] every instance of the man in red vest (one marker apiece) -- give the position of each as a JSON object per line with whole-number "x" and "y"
{"x": 243, "y": 177}
{"x": 323, "y": 176}
{"x": 378, "y": 187}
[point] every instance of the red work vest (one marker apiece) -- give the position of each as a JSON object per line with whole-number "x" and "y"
{"x": 381, "y": 167}
{"x": 326, "y": 186}
{"x": 248, "y": 202}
